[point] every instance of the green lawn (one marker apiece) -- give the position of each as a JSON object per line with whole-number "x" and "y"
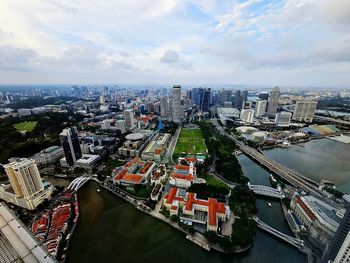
{"x": 211, "y": 180}
{"x": 190, "y": 142}
{"x": 25, "y": 126}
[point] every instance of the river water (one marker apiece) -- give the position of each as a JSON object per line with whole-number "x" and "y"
{"x": 318, "y": 159}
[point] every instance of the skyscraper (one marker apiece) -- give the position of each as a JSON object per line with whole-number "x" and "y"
{"x": 245, "y": 95}
{"x": 70, "y": 143}
{"x": 129, "y": 119}
{"x": 260, "y": 108}
{"x": 177, "y": 104}
{"x": 238, "y": 100}
{"x": 225, "y": 95}
{"x": 264, "y": 95}
{"x": 304, "y": 110}
{"x": 273, "y": 100}
{"x": 339, "y": 249}
{"x": 204, "y": 95}
{"x": 164, "y": 105}
{"x": 24, "y": 177}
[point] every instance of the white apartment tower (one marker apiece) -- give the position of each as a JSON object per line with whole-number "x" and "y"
{"x": 260, "y": 108}
{"x": 247, "y": 115}
{"x": 177, "y": 109}
{"x": 304, "y": 110}
{"x": 129, "y": 119}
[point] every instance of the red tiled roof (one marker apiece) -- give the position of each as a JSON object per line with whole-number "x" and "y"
{"x": 146, "y": 168}
{"x": 158, "y": 151}
{"x": 305, "y": 208}
{"x": 188, "y": 177}
{"x": 121, "y": 174}
{"x": 171, "y": 196}
{"x": 182, "y": 167}
{"x": 134, "y": 178}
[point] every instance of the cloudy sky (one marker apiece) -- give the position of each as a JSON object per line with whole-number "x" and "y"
{"x": 253, "y": 42}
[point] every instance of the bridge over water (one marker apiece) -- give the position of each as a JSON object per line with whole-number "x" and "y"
{"x": 266, "y": 191}
{"x": 296, "y": 242}
{"x": 79, "y": 182}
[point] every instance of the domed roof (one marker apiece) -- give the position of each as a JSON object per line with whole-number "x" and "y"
{"x": 257, "y": 137}
{"x": 134, "y": 136}
{"x": 246, "y": 129}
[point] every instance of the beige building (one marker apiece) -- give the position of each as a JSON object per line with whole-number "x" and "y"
{"x": 156, "y": 149}
{"x": 26, "y": 188}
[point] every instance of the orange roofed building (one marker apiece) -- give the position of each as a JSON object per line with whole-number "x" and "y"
{"x": 133, "y": 173}
{"x": 191, "y": 209}
{"x": 183, "y": 175}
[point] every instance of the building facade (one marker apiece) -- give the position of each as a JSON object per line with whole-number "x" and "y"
{"x": 260, "y": 108}
{"x": 70, "y": 143}
{"x": 26, "y": 188}
{"x": 177, "y": 109}
{"x": 304, "y": 111}
{"x": 129, "y": 120}
{"x": 273, "y": 100}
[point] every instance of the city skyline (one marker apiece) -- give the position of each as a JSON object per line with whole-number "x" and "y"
{"x": 293, "y": 42}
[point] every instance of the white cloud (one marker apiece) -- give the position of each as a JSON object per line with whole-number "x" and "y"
{"x": 159, "y": 40}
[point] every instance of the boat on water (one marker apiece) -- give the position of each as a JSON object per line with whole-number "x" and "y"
{"x": 98, "y": 190}
{"x": 269, "y": 204}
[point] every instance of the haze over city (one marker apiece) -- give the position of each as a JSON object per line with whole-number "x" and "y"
{"x": 256, "y": 42}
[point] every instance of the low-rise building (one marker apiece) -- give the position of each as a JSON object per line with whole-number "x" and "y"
{"x": 191, "y": 209}
{"x": 319, "y": 218}
{"x": 134, "y": 172}
{"x": 87, "y": 161}
{"x": 157, "y": 147}
{"x": 135, "y": 143}
{"x": 183, "y": 175}
{"x": 48, "y": 155}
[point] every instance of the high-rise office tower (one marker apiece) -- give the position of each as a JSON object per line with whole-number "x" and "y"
{"x": 129, "y": 119}
{"x": 245, "y": 95}
{"x": 339, "y": 249}
{"x": 273, "y": 100}
{"x": 164, "y": 105}
{"x": 264, "y": 96}
{"x": 238, "y": 100}
{"x": 225, "y": 95}
{"x": 177, "y": 104}
{"x": 304, "y": 110}
{"x": 260, "y": 108}
{"x": 70, "y": 143}
{"x": 157, "y": 107}
{"x": 195, "y": 96}
{"x": 24, "y": 177}
{"x": 204, "y": 99}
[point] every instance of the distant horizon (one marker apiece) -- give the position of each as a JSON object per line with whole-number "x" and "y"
{"x": 149, "y": 85}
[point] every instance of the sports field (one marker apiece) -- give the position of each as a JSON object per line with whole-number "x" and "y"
{"x": 25, "y": 126}
{"x": 190, "y": 142}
